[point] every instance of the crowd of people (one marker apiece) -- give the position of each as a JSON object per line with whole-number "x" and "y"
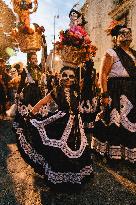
{"x": 9, "y": 81}
{"x": 13, "y": 81}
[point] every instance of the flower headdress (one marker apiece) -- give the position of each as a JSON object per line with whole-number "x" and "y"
{"x": 114, "y": 28}
{"x": 75, "y": 45}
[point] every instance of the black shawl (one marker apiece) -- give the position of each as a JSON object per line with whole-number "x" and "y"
{"x": 127, "y": 61}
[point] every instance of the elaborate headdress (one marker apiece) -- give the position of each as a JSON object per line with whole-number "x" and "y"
{"x": 77, "y": 9}
{"x": 75, "y": 45}
{"x": 27, "y": 35}
{"x": 114, "y": 28}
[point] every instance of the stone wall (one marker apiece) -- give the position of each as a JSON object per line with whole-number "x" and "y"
{"x": 133, "y": 22}
{"x": 99, "y": 13}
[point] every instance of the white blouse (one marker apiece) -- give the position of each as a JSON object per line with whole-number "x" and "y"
{"x": 117, "y": 69}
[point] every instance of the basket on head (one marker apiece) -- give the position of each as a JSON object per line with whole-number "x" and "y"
{"x": 29, "y": 42}
{"x": 71, "y": 56}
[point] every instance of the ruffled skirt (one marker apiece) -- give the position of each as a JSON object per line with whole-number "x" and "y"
{"x": 115, "y": 134}
{"x": 55, "y": 145}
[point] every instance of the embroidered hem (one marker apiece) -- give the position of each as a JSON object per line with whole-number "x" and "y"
{"x": 114, "y": 152}
{"x": 54, "y": 177}
{"x": 74, "y": 178}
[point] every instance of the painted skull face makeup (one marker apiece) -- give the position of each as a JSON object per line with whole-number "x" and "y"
{"x": 125, "y": 34}
{"x": 68, "y": 77}
{"x": 73, "y": 16}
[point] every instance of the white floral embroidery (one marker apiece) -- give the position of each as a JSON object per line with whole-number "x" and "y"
{"x": 121, "y": 117}
{"x": 43, "y": 111}
{"x": 115, "y": 152}
{"x": 115, "y": 117}
{"x": 33, "y": 155}
{"x": 100, "y": 147}
{"x": 74, "y": 178}
{"x": 25, "y": 110}
{"x": 130, "y": 154}
{"x": 62, "y": 143}
{"x": 54, "y": 177}
{"x": 90, "y": 106}
{"x": 126, "y": 107}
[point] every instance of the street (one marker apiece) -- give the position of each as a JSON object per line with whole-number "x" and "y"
{"x": 19, "y": 185}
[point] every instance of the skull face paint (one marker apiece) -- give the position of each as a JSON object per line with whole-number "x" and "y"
{"x": 67, "y": 78}
{"x": 125, "y": 35}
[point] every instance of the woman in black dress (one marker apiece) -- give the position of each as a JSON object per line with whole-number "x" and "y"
{"x": 115, "y": 133}
{"x": 53, "y": 141}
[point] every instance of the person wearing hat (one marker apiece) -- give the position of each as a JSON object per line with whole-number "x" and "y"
{"x": 115, "y": 129}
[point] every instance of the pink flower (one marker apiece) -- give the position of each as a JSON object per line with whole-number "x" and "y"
{"x": 78, "y": 30}
{"x": 87, "y": 39}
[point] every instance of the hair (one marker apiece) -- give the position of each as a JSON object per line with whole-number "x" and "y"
{"x": 77, "y": 12}
{"x": 17, "y": 66}
{"x": 29, "y": 55}
{"x": 83, "y": 21}
{"x": 116, "y": 30}
{"x": 67, "y": 68}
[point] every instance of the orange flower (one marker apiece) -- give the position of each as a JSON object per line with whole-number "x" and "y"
{"x": 112, "y": 26}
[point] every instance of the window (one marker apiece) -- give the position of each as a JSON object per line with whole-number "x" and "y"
{"x": 117, "y": 2}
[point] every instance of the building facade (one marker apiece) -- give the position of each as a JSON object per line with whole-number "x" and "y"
{"x": 99, "y": 14}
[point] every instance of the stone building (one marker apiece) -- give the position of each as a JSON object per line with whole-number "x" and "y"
{"x": 99, "y": 14}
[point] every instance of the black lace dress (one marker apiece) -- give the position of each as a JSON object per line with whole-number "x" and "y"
{"x": 89, "y": 98}
{"x": 115, "y": 134}
{"x": 54, "y": 142}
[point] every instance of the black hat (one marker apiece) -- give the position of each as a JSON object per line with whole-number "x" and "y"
{"x": 77, "y": 9}
{"x": 77, "y": 12}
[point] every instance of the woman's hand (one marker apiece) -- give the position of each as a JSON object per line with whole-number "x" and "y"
{"x": 41, "y": 103}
